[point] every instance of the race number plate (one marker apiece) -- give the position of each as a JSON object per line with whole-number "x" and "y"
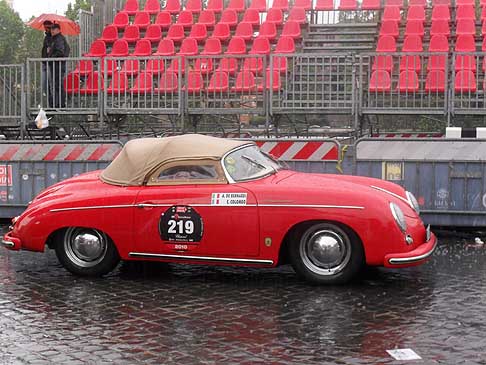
{"x": 181, "y": 223}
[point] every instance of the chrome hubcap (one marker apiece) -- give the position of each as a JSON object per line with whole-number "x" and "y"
{"x": 85, "y": 247}
{"x": 325, "y": 252}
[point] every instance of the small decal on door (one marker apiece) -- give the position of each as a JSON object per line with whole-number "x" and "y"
{"x": 181, "y": 223}
{"x": 228, "y": 199}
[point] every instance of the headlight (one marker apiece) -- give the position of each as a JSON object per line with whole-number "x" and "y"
{"x": 399, "y": 216}
{"x": 413, "y": 202}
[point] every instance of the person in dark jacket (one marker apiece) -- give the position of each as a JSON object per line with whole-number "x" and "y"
{"x": 58, "y": 48}
{"x": 47, "y": 40}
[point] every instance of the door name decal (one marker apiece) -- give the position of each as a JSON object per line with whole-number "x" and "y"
{"x": 228, "y": 199}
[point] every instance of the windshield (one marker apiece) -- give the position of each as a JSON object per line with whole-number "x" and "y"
{"x": 249, "y": 163}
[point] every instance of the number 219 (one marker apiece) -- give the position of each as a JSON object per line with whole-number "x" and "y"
{"x": 181, "y": 227}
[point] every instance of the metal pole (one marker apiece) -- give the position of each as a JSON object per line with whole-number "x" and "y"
{"x": 23, "y": 104}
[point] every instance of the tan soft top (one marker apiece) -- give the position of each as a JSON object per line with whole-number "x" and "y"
{"x": 140, "y": 157}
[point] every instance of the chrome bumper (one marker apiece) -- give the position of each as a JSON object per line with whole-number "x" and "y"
{"x": 12, "y": 243}
{"x": 415, "y": 257}
{"x": 7, "y": 244}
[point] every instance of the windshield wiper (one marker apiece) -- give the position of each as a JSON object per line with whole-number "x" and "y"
{"x": 255, "y": 162}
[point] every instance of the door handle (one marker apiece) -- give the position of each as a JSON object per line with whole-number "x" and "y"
{"x": 146, "y": 205}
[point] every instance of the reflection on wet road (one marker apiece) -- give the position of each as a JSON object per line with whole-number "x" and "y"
{"x": 159, "y": 313}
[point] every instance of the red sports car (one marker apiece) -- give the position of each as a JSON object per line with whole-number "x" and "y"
{"x": 199, "y": 199}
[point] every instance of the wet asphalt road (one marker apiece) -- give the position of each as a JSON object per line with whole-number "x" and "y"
{"x": 161, "y": 314}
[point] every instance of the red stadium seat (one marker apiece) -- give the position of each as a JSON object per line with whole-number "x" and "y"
{"x": 236, "y": 45}
{"x": 244, "y": 30}
{"x": 245, "y": 82}
{"x": 411, "y": 62}
{"x": 216, "y": 6}
{"x": 465, "y": 12}
{"x": 465, "y": 43}
{"x": 207, "y": 18}
{"x": 97, "y": 49}
{"x": 259, "y": 5}
{"x": 174, "y": 65}
{"x": 252, "y": 16}
{"x": 483, "y": 13}
{"x": 173, "y": 6}
{"x": 441, "y": 12}
{"x": 111, "y": 67}
{"x": 272, "y": 82}
{"x": 228, "y": 65}
{"x": 194, "y": 6}
{"x": 142, "y": 20}
{"x": 379, "y": 81}
{"x": 348, "y": 5}
{"x": 408, "y": 82}
{"x": 165, "y": 48}
{"x": 390, "y": 27}
{"x": 291, "y": 29}
{"x": 185, "y": 19}
{"x": 304, "y": 4}
{"x": 204, "y": 65}
{"x": 268, "y": 30}
{"x": 198, "y": 32}
{"x": 219, "y": 82}
{"x": 152, "y": 6}
{"x": 194, "y": 82}
{"x": 130, "y": 67}
{"x": 164, "y": 19}
{"x": 118, "y": 84}
{"x": 465, "y": 62}
{"x": 176, "y": 33}
{"x": 440, "y": 27}
{"x": 254, "y": 65}
{"x": 441, "y": 2}
{"x": 285, "y": 45}
{"x": 155, "y": 67}
{"x": 121, "y": 20}
{"x": 438, "y": 43}
{"x": 237, "y": 5}
{"x": 465, "y": 2}
{"x": 328, "y": 5}
{"x": 110, "y": 34}
{"x": 261, "y": 45}
{"x": 382, "y": 62}
{"x": 371, "y": 5}
{"x": 422, "y": 3}
{"x": 398, "y": 3}
{"x": 279, "y": 64}
{"x": 483, "y": 45}
{"x": 212, "y": 47}
{"x": 392, "y": 13}
{"x": 221, "y": 32}
{"x": 119, "y": 49}
{"x": 143, "y": 48}
{"x": 465, "y": 27}
{"x": 415, "y": 28}
{"x": 153, "y": 33}
{"x": 84, "y": 67}
{"x": 412, "y": 44}
{"x": 416, "y": 12}
{"x": 465, "y": 82}
{"x": 483, "y": 28}
{"x": 131, "y": 7}
{"x": 282, "y": 5}
{"x": 274, "y": 16}
{"x": 188, "y": 47}
{"x": 297, "y": 15}
{"x": 93, "y": 85}
{"x": 72, "y": 83}
{"x": 435, "y": 81}
{"x": 386, "y": 44}
{"x": 168, "y": 83}
{"x": 143, "y": 84}
{"x": 131, "y": 34}
{"x": 229, "y": 17}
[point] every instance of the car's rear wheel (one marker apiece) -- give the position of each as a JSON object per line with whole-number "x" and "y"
{"x": 326, "y": 253}
{"x": 86, "y": 251}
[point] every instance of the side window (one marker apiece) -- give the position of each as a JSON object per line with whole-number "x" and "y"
{"x": 189, "y": 172}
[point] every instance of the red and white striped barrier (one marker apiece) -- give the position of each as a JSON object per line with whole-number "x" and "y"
{"x": 59, "y": 151}
{"x": 407, "y": 135}
{"x": 292, "y": 150}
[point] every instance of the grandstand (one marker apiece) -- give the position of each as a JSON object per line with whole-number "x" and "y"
{"x": 252, "y": 66}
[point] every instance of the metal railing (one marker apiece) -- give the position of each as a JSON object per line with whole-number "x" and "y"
{"x": 468, "y": 83}
{"x": 11, "y": 92}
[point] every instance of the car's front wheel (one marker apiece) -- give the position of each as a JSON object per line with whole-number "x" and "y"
{"x": 86, "y": 251}
{"x": 326, "y": 253}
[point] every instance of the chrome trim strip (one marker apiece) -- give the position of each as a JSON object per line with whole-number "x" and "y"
{"x": 93, "y": 207}
{"x": 199, "y": 258}
{"x": 392, "y": 194}
{"x": 310, "y": 206}
{"x": 408, "y": 260}
{"x": 7, "y": 243}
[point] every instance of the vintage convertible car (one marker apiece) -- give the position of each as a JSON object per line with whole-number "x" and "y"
{"x": 206, "y": 200}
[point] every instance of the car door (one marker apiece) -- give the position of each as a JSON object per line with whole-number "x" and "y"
{"x": 215, "y": 219}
